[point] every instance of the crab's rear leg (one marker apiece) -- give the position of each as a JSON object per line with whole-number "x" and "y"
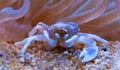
{"x": 28, "y": 42}
{"x": 42, "y": 37}
{"x": 31, "y": 39}
{"x": 40, "y": 26}
{"x": 21, "y": 43}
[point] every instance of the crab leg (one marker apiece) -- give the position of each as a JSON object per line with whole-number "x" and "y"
{"x": 70, "y": 42}
{"x": 28, "y": 41}
{"x": 21, "y": 42}
{"x": 40, "y": 26}
{"x": 52, "y": 42}
{"x": 33, "y": 38}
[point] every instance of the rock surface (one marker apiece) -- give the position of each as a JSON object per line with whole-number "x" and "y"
{"x": 59, "y": 59}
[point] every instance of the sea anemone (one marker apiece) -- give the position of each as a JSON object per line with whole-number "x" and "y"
{"x": 100, "y": 17}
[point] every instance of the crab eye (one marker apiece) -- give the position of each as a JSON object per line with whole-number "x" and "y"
{"x": 66, "y": 36}
{"x": 57, "y": 35}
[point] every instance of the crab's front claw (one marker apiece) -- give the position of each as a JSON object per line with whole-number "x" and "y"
{"x": 89, "y": 53}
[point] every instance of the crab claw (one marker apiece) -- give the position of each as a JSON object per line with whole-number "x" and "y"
{"x": 89, "y": 53}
